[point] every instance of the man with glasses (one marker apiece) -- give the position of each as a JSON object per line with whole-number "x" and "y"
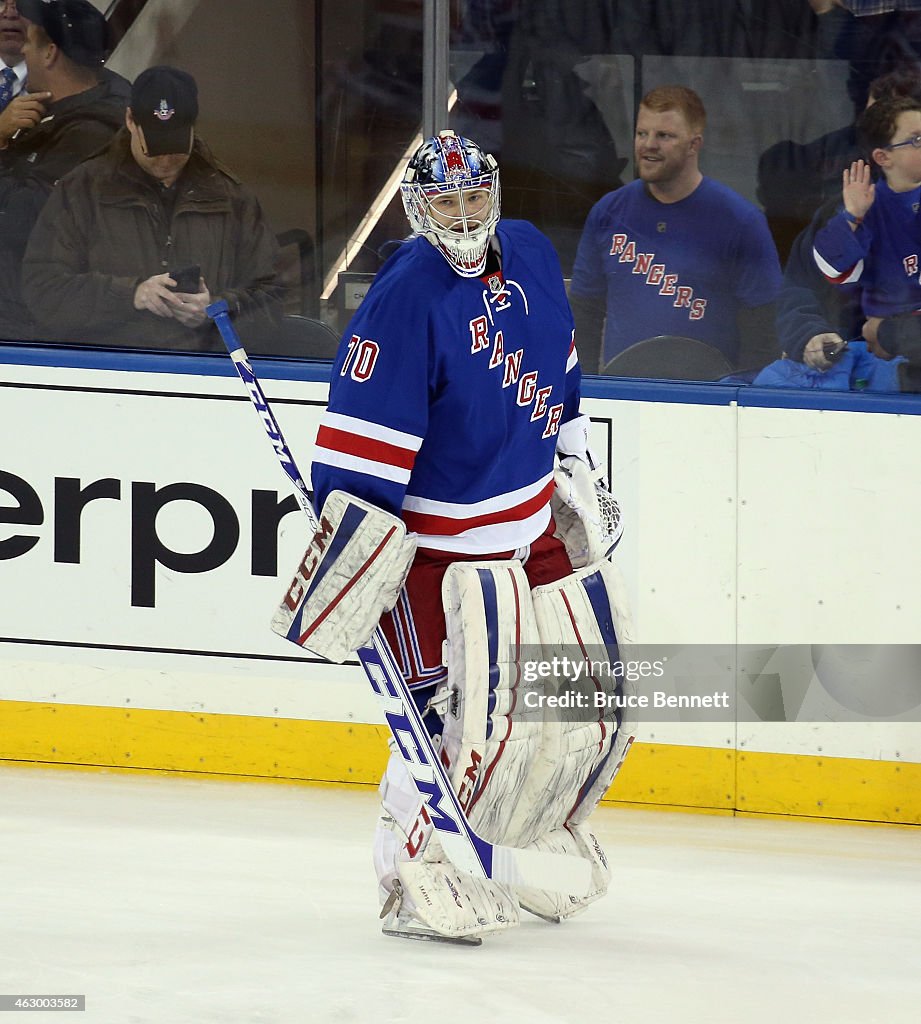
{"x": 875, "y": 239}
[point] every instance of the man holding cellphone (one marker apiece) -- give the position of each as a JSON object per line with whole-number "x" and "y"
{"x": 136, "y": 243}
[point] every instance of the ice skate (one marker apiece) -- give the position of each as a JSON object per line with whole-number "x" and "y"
{"x": 401, "y": 923}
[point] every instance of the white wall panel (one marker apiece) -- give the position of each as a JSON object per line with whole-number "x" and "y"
{"x": 744, "y": 525}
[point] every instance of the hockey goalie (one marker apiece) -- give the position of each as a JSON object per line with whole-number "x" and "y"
{"x": 461, "y": 510}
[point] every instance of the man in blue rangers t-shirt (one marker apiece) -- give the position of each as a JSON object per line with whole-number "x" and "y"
{"x": 674, "y": 252}
{"x": 453, "y": 429}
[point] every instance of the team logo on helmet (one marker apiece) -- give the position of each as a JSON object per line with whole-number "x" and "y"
{"x": 456, "y": 165}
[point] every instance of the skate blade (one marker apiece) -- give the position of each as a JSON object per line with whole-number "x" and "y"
{"x": 549, "y": 918}
{"x": 421, "y": 935}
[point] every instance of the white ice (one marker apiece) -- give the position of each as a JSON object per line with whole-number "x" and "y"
{"x": 170, "y": 900}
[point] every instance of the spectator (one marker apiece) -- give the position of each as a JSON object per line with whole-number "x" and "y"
{"x": 895, "y": 337}
{"x": 101, "y": 262}
{"x": 874, "y": 239}
{"x": 814, "y": 317}
{"x": 674, "y": 252}
{"x": 73, "y": 108}
{"x": 813, "y": 313}
{"x": 794, "y": 180}
{"x": 12, "y": 66}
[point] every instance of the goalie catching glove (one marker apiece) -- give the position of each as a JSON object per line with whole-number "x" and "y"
{"x": 587, "y": 516}
{"x": 350, "y": 575}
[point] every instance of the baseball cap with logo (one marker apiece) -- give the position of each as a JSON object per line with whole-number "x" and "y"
{"x": 164, "y": 102}
{"x": 76, "y": 27}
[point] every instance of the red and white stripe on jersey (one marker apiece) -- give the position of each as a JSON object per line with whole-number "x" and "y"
{"x": 834, "y": 275}
{"x": 573, "y": 358}
{"x": 501, "y": 523}
{"x": 366, "y": 447}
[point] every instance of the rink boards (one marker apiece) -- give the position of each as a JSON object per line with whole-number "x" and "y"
{"x": 146, "y": 535}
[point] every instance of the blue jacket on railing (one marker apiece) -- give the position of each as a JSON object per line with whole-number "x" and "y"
{"x": 857, "y": 370}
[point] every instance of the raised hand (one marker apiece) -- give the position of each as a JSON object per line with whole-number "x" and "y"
{"x": 858, "y": 191}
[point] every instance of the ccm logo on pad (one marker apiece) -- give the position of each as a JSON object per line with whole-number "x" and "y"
{"x": 308, "y": 563}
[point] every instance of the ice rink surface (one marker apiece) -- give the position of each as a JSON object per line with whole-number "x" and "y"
{"x": 173, "y": 900}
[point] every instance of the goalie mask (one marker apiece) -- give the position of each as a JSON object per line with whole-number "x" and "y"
{"x": 451, "y": 196}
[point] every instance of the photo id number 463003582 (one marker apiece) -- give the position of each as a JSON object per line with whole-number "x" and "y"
{"x": 23, "y": 1002}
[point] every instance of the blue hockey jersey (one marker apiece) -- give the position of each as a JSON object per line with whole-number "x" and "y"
{"x": 680, "y": 268}
{"x": 447, "y": 395}
{"x": 882, "y": 255}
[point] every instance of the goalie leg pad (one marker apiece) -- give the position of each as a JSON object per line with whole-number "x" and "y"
{"x": 489, "y": 740}
{"x": 585, "y": 619}
{"x": 579, "y": 842}
{"x": 432, "y": 893}
{"x": 350, "y": 575}
{"x": 607, "y": 577}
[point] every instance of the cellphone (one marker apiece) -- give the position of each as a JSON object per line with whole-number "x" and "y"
{"x": 834, "y": 350}
{"x": 187, "y": 279}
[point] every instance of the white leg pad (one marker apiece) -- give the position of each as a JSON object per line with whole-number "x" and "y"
{"x": 583, "y": 616}
{"x": 488, "y": 742}
{"x": 578, "y": 842}
{"x": 625, "y": 718}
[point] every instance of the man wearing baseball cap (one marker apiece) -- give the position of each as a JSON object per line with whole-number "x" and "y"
{"x": 73, "y": 108}
{"x": 101, "y": 262}
{"x": 164, "y": 106}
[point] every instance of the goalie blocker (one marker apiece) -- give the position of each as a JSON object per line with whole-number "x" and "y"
{"x": 351, "y": 574}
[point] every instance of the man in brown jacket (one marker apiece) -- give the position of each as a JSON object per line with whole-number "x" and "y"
{"x": 73, "y": 108}
{"x": 103, "y": 260}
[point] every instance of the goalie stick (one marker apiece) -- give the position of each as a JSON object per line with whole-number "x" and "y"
{"x": 466, "y": 850}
